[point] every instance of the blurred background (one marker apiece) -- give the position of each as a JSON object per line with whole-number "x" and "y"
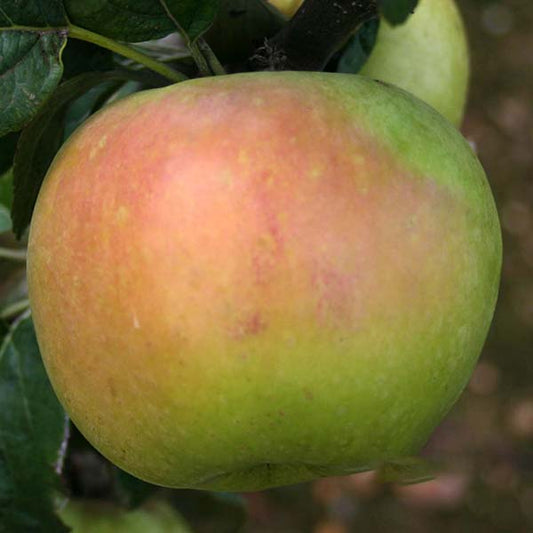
{"x": 484, "y": 448}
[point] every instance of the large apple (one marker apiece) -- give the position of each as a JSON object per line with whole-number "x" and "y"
{"x": 254, "y": 280}
{"x": 427, "y": 55}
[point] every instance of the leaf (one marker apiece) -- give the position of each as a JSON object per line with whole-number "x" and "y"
{"x": 406, "y": 471}
{"x": 125, "y": 20}
{"x": 4, "y": 330}
{"x": 192, "y": 17}
{"x": 8, "y": 143}
{"x": 32, "y": 433}
{"x": 240, "y": 27}
{"x": 5, "y": 219}
{"x": 6, "y": 189}
{"x": 397, "y": 11}
{"x": 358, "y": 50}
{"x": 29, "y": 72}
{"x": 42, "y": 13}
{"x": 80, "y": 56}
{"x": 42, "y": 138}
{"x": 32, "y": 37}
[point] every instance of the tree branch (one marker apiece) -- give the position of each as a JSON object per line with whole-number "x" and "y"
{"x": 317, "y": 30}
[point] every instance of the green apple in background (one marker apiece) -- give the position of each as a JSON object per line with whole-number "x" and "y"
{"x": 287, "y": 7}
{"x": 84, "y": 516}
{"x": 259, "y": 279}
{"x": 427, "y": 55}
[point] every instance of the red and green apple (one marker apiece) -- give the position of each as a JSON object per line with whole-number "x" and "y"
{"x": 258, "y": 279}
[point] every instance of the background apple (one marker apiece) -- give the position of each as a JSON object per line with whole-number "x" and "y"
{"x": 427, "y": 55}
{"x": 86, "y": 516}
{"x": 286, "y": 7}
{"x": 256, "y": 294}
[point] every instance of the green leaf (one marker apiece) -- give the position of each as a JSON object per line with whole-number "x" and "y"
{"x": 358, "y": 50}
{"x": 8, "y": 144}
{"x": 397, "y": 11}
{"x": 4, "y": 330}
{"x": 125, "y": 20}
{"x": 32, "y": 37}
{"x": 6, "y": 189}
{"x": 42, "y": 13}
{"x": 87, "y": 104}
{"x": 240, "y": 27}
{"x": 30, "y": 69}
{"x": 5, "y": 219}
{"x": 32, "y": 436}
{"x": 42, "y": 138}
{"x": 141, "y": 20}
{"x": 406, "y": 471}
{"x": 80, "y": 56}
{"x": 192, "y": 17}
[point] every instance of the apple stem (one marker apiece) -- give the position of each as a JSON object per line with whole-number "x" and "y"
{"x": 205, "y": 59}
{"x": 82, "y": 34}
{"x": 313, "y": 35}
{"x": 214, "y": 64}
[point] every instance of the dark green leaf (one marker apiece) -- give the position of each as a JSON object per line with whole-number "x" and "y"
{"x": 42, "y": 138}
{"x": 80, "y": 56}
{"x": 5, "y": 219}
{"x": 358, "y": 50}
{"x": 406, "y": 471}
{"x": 125, "y": 20}
{"x": 240, "y": 27}
{"x": 4, "y": 330}
{"x": 32, "y": 36}
{"x": 30, "y": 69}
{"x": 6, "y": 189}
{"x": 397, "y": 11}
{"x": 87, "y": 104}
{"x": 38, "y": 144}
{"x": 141, "y": 20}
{"x": 41, "y": 13}
{"x": 191, "y": 17}
{"x": 8, "y": 144}
{"x": 32, "y": 436}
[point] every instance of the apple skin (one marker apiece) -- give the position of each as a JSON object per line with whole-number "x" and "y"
{"x": 92, "y": 516}
{"x": 427, "y": 55}
{"x": 286, "y": 7}
{"x": 255, "y": 280}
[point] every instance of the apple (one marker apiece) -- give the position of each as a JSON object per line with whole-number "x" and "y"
{"x": 86, "y": 516}
{"x": 258, "y": 279}
{"x": 286, "y": 7}
{"x": 427, "y": 55}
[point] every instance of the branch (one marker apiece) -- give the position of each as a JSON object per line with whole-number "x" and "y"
{"x": 317, "y": 30}
{"x": 17, "y": 255}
